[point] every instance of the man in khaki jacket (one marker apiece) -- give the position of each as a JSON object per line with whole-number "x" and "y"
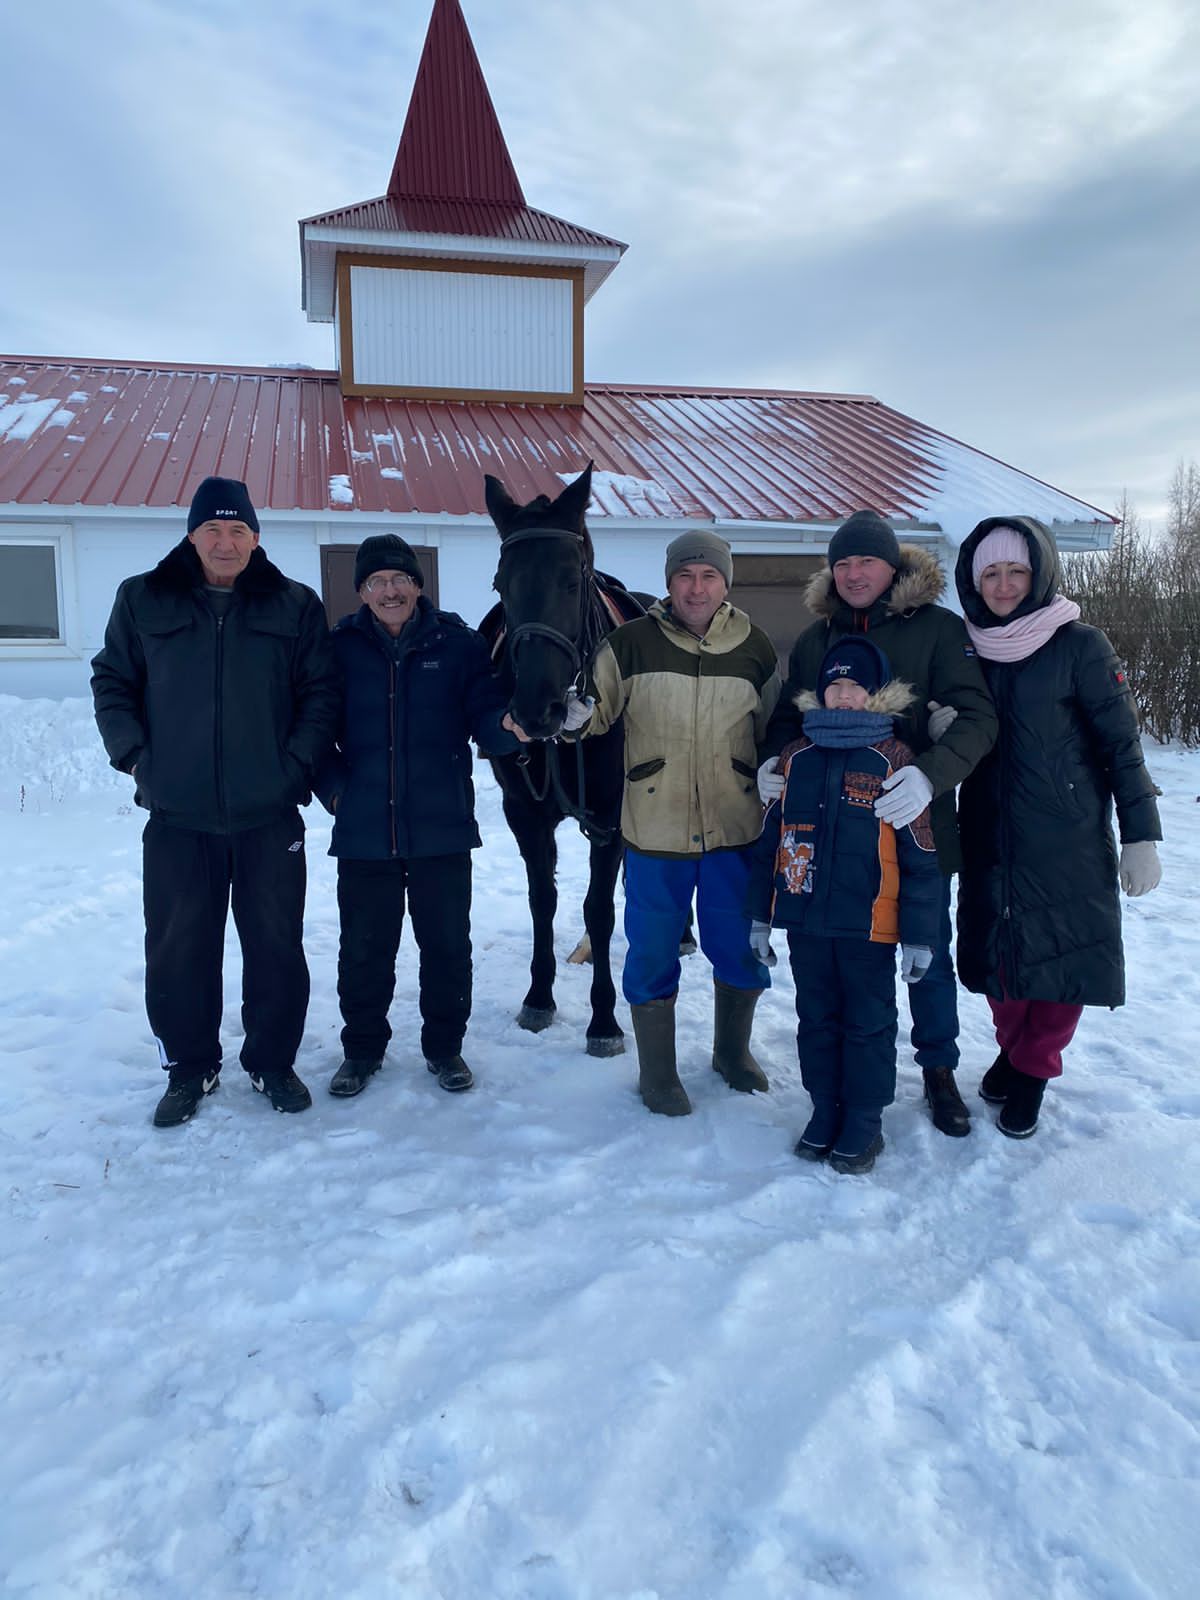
{"x": 695, "y": 681}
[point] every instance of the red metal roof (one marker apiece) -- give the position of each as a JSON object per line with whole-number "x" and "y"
{"x": 480, "y": 219}
{"x": 81, "y": 433}
{"x": 452, "y": 147}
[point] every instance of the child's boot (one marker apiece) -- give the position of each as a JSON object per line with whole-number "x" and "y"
{"x": 859, "y": 1141}
{"x": 818, "y": 1138}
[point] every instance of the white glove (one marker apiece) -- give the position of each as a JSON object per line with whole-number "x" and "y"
{"x": 915, "y": 960}
{"x": 760, "y": 943}
{"x": 770, "y": 783}
{"x": 1140, "y": 869}
{"x": 940, "y": 718}
{"x": 907, "y": 794}
{"x": 579, "y": 711}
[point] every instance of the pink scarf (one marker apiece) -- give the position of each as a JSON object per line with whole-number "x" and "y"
{"x": 1013, "y": 641}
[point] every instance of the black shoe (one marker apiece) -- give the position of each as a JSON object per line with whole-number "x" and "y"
{"x": 284, "y": 1090}
{"x": 946, "y": 1108}
{"x": 819, "y": 1137}
{"x": 1019, "y": 1117}
{"x": 861, "y": 1161}
{"x": 182, "y": 1097}
{"x": 453, "y": 1074}
{"x": 351, "y": 1077}
{"x": 998, "y": 1080}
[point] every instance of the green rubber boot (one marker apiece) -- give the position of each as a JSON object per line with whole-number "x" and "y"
{"x": 658, "y": 1079}
{"x": 733, "y": 1019}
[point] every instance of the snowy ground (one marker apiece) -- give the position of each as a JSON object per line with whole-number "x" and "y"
{"x": 533, "y": 1344}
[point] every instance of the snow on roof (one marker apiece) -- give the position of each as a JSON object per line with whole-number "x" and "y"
{"x": 149, "y": 433}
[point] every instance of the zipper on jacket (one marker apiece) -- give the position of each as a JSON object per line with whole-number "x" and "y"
{"x": 220, "y": 739}
{"x": 392, "y": 752}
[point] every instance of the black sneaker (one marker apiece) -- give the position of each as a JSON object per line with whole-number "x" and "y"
{"x": 998, "y": 1080}
{"x": 1019, "y": 1118}
{"x": 182, "y": 1097}
{"x": 284, "y": 1090}
{"x": 453, "y": 1073}
{"x": 946, "y": 1109}
{"x": 351, "y": 1077}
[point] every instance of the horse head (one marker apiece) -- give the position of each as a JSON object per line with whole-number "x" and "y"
{"x": 546, "y": 587}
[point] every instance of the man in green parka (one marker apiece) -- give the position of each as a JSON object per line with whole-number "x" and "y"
{"x": 876, "y": 586}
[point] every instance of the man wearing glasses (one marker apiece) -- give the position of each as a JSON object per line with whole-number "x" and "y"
{"x": 418, "y": 684}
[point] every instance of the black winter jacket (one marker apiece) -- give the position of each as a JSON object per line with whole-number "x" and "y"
{"x": 928, "y": 648}
{"x": 1038, "y": 893}
{"x": 400, "y": 774}
{"x": 225, "y": 719}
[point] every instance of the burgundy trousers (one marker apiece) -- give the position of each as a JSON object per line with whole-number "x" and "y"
{"x": 1034, "y": 1033}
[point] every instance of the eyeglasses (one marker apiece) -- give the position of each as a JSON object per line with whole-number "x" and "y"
{"x": 381, "y": 585}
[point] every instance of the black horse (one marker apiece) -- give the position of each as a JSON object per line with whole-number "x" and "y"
{"x": 555, "y": 609}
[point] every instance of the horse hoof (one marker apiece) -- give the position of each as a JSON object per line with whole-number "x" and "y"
{"x": 612, "y": 1046}
{"x": 534, "y": 1019}
{"x": 581, "y": 954}
{"x": 687, "y": 945}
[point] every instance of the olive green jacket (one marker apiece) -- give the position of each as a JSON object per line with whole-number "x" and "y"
{"x": 927, "y": 646}
{"x": 694, "y": 712}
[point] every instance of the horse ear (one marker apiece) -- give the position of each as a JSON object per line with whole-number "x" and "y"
{"x": 501, "y": 505}
{"x": 573, "y": 501}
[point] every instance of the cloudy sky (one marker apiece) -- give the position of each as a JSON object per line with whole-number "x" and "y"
{"x": 988, "y": 215}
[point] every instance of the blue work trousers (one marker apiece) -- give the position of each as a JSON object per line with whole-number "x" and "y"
{"x": 658, "y": 894}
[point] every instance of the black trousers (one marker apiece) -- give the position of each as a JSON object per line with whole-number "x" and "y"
{"x": 188, "y": 882}
{"x": 846, "y": 1006}
{"x": 371, "y": 900}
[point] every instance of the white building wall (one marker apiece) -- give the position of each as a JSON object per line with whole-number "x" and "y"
{"x": 462, "y": 330}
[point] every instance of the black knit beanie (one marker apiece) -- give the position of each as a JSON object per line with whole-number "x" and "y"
{"x": 866, "y": 533}
{"x": 386, "y": 552}
{"x": 222, "y": 500}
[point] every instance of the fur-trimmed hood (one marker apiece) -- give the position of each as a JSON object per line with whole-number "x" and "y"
{"x": 890, "y": 701}
{"x": 180, "y": 571}
{"x": 919, "y": 581}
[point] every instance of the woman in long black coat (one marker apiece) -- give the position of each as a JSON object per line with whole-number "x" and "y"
{"x": 1039, "y": 919}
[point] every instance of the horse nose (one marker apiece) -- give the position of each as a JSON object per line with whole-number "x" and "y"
{"x": 556, "y": 712}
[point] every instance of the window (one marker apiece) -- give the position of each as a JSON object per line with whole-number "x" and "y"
{"x": 30, "y": 600}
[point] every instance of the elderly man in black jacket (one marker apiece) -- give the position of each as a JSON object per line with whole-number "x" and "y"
{"x": 418, "y": 683}
{"x": 217, "y": 691}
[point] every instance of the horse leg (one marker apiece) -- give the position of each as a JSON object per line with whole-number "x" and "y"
{"x": 534, "y": 834}
{"x": 604, "y": 1035}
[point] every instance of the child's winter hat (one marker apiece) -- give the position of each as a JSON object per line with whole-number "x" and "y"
{"x": 221, "y": 500}
{"x": 857, "y": 660}
{"x": 1002, "y": 544}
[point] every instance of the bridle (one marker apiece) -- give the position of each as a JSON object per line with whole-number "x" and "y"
{"x": 578, "y": 650}
{"x": 592, "y": 617}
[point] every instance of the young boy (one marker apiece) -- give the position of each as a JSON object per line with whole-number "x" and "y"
{"x": 847, "y": 888}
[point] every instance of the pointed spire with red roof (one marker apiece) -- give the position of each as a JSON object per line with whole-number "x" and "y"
{"x": 452, "y": 147}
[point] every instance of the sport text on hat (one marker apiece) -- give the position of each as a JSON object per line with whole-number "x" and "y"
{"x": 221, "y": 500}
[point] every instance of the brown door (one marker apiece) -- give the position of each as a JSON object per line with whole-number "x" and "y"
{"x": 337, "y": 578}
{"x": 771, "y": 589}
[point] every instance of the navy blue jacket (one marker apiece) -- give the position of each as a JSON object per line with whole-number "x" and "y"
{"x": 401, "y": 770}
{"x": 825, "y": 864}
